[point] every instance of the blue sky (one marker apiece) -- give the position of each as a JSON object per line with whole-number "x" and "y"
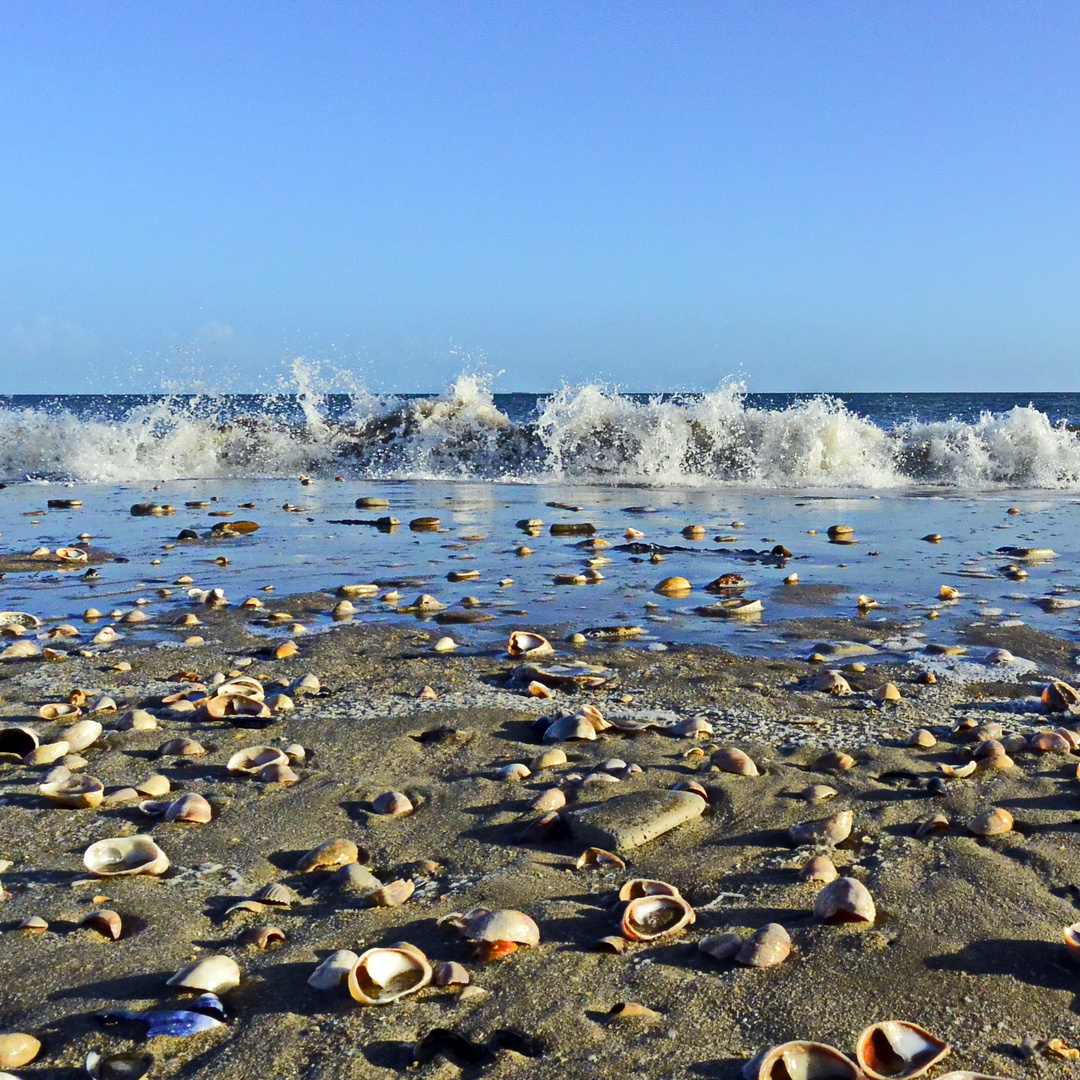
{"x": 815, "y": 196}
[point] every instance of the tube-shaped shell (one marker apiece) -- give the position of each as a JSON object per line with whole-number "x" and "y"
{"x": 769, "y": 946}
{"x": 77, "y": 792}
{"x": 505, "y": 924}
{"x": 382, "y": 976}
{"x": 829, "y": 830}
{"x": 805, "y": 1061}
{"x": 650, "y": 917}
{"x": 123, "y": 856}
{"x": 333, "y": 971}
{"x": 845, "y": 900}
{"x": 896, "y": 1050}
{"x": 211, "y": 975}
{"x": 729, "y": 759}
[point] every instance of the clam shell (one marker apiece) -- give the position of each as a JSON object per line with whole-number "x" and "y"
{"x": 522, "y": 643}
{"x": 253, "y": 759}
{"x": 382, "y": 976}
{"x": 105, "y": 921}
{"x": 124, "y": 856}
{"x": 599, "y": 858}
{"x": 731, "y": 760}
{"x": 674, "y": 586}
{"x": 1059, "y": 696}
{"x": 650, "y": 917}
{"x": 832, "y": 682}
{"x": 991, "y": 822}
{"x": 831, "y": 830}
{"x": 1050, "y": 742}
{"x": 333, "y": 971}
{"x": 211, "y": 975}
{"x": 81, "y": 735}
{"x": 721, "y": 946}
{"x": 393, "y": 804}
{"x": 59, "y": 710}
{"x": 896, "y": 1050}
{"x": 769, "y": 946}
{"x": 392, "y": 894}
{"x": 17, "y": 1049}
{"x": 77, "y": 792}
{"x": 452, "y": 974}
{"x": 566, "y": 728}
{"x": 328, "y": 856}
{"x": 18, "y": 740}
{"x": 845, "y": 900}
{"x": 118, "y": 1066}
{"x": 819, "y": 870}
{"x": 192, "y": 808}
{"x": 636, "y": 887}
{"x": 262, "y": 937}
{"x": 505, "y": 924}
{"x": 804, "y": 1061}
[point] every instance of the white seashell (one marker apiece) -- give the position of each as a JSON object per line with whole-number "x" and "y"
{"x": 845, "y": 900}
{"x": 125, "y": 856}
{"x": 531, "y": 645}
{"x": 333, "y": 971}
{"x": 647, "y": 918}
{"x": 210, "y": 975}
{"x": 83, "y": 734}
{"x": 382, "y": 976}
{"x": 895, "y": 1050}
{"x": 566, "y": 728}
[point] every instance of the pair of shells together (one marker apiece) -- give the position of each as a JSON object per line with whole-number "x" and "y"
{"x": 890, "y": 1050}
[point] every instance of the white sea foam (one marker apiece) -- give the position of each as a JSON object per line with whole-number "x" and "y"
{"x": 583, "y": 434}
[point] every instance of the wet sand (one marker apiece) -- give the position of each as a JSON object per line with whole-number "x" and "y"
{"x": 967, "y": 939}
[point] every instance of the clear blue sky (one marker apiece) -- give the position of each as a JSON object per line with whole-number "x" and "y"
{"x": 823, "y": 195}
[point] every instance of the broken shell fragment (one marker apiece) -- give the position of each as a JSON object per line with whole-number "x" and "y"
{"x": 382, "y": 976}
{"x": 600, "y": 859}
{"x": 804, "y": 1061}
{"x": 636, "y": 887}
{"x": 845, "y": 900}
{"x": 991, "y": 822}
{"x": 831, "y": 830}
{"x": 769, "y": 946}
{"x": 125, "y": 856}
{"x": 211, "y": 975}
{"x": 896, "y": 1050}
{"x": 393, "y": 894}
{"x": 253, "y": 759}
{"x": 650, "y": 917}
{"x": 832, "y": 682}
{"x": 451, "y": 973}
{"x": 333, "y": 971}
{"x": 105, "y": 922}
{"x": 261, "y": 937}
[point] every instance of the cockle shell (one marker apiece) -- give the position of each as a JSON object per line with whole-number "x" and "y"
{"x": 77, "y": 792}
{"x": 802, "y": 1061}
{"x": 896, "y": 1050}
{"x": 123, "y": 856}
{"x": 647, "y": 918}
{"x": 845, "y": 900}
{"x": 252, "y": 759}
{"x": 333, "y": 971}
{"x": 522, "y": 643}
{"x": 769, "y": 946}
{"x": 211, "y": 975}
{"x": 828, "y": 830}
{"x": 382, "y": 976}
{"x": 504, "y": 924}
{"x": 729, "y": 759}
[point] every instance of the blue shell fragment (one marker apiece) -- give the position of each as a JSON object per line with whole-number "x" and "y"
{"x": 204, "y": 1013}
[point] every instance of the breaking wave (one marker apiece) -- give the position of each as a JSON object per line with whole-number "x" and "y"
{"x": 583, "y": 434}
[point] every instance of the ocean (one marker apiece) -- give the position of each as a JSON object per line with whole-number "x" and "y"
{"x": 755, "y": 471}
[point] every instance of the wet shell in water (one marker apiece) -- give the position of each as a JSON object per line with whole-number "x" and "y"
{"x": 650, "y": 917}
{"x": 895, "y": 1050}
{"x": 382, "y": 976}
{"x": 803, "y": 1061}
{"x": 125, "y": 856}
{"x": 674, "y": 586}
{"x": 845, "y": 900}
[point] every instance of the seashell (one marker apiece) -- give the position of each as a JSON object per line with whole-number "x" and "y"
{"x": 647, "y": 918}
{"x": 355, "y": 878}
{"x": 274, "y": 893}
{"x": 1050, "y": 742}
{"x": 1071, "y": 937}
{"x": 135, "y": 615}
{"x": 613, "y": 943}
{"x": 991, "y": 822}
{"x": 17, "y": 1049}
{"x": 328, "y": 856}
{"x": 19, "y": 741}
{"x": 549, "y": 759}
{"x": 83, "y": 734}
{"x": 692, "y": 786}
{"x": 865, "y": 603}
{"x": 215, "y": 974}
{"x": 721, "y": 946}
{"x": 252, "y": 907}
{"x": 59, "y": 710}
{"x": 252, "y": 759}
{"x": 674, "y": 586}
{"x": 105, "y": 922}
{"x": 124, "y": 856}
{"x": 769, "y": 946}
{"x": 393, "y": 804}
{"x": 694, "y": 727}
{"x": 262, "y": 937}
{"x": 999, "y": 657}
{"x": 819, "y": 870}
{"x": 896, "y": 1050}
{"x": 831, "y": 830}
{"x": 566, "y": 728}
{"x": 803, "y": 1061}
{"x": 451, "y": 974}
{"x": 107, "y": 635}
{"x": 382, "y": 976}
{"x": 137, "y": 720}
{"x": 20, "y": 650}
{"x": 731, "y": 609}
{"x": 155, "y": 785}
{"x": 118, "y": 1066}
{"x": 505, "y": 924}
{"x": 730, "y": 760}
{"x": 845, "y": 900}
{"x": 280, "y": 703}
{"x": 20, "y": 618}
{"x": 694, "y": 532}
{"x": 598, "y": 858}
{"x": 513, "y": 772}
{"x": 180, "y": 748}
{"x": 959, "y": 772}
{"x": 948, "y": 592}
{"x": 191, "y": 808}
{"x": 936, "y": 823}
{"x": 636, "y": 887}
{"x": 832, "y": 682}
{"x": 47, "y": 753}
{"x": 277, "y": 773}
{"x": 886, "y": 694}
{"x": 551, "y": 799}
{"x": 522, "y": 643}
{"x": 393, "y": 894}
{"x": 77, "y": 792}
{"x": 34, "y": 925}
{"x": 923, "y": 739}
{"x": 333, "y": 971}
{"x": 835, "y": 761}
{"x": 1059, "y": 696}
{"x": 445, "y": 644}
